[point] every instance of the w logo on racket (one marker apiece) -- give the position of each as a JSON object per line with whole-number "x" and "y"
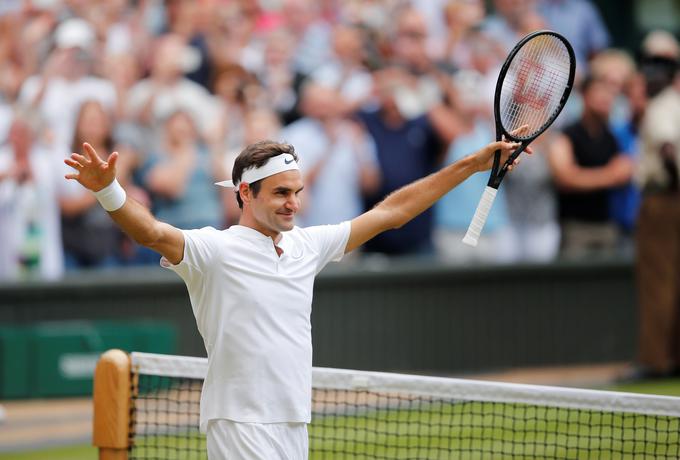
{"x": 528, "y": 89}
{"x": 532, "y": 88}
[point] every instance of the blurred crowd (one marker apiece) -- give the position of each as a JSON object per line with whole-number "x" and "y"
{"x": 373, "y": 94}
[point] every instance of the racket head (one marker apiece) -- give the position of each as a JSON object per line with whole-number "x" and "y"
{"x": 533, "y": 85}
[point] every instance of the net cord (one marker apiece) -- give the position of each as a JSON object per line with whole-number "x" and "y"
{"x": 440, "y": 387}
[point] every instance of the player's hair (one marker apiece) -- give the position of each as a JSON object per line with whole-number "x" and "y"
{"x": 255, "y": 156}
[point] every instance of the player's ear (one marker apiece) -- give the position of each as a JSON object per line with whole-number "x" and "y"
{"x": 245, "y": 192}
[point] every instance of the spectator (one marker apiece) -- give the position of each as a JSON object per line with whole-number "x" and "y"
{"x": 90, "y": 238}
{"x": 420, "y": 88}
{"x": 625, "y": 200}
{"x": 453, "y": 213}
{"x": 166, "y": 86}
{"x": 311, "y": 34}
{"x": 259, "y": 124}
{"x": 66, "y": 81}
{"x": 184, "y": 19}
{"x": 140, "y": 60}
{"x": 371, "y": 15}
{"x": 11, "y": 72}
{"x": 580, "y": 22}
{"x": 586, "y": 164}
{"x": 10, "y": 80}
{"x": 337, "y": 158}
{"x": 463, "y": 18}
{"x": 660, "y": 50}
{"x": 123, "y": 71}
{"x": 433, "y": 13}
{"x": 31, "y": 177}
{"x": 511, "y": 20}
{"x": 346, "y": 71}
{"x": 119, "y": 25}
{"x": 227, "y": 35}
{"x": 475, "y": 83}
{"x": 617, "y": 68}
{"x": 534, "y": 228}
{"x": 658, "y": 234}
{"x": 180, "y": 175}
{"x": 280, "y": 81}
{"x": 27, "y": 35}
{"x": 233, "y": 87}
{"x": 407, "y": 148}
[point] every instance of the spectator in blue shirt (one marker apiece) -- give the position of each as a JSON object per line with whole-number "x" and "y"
{"x": 180, "y": 176}
{"x": 407, "y": 149}
{"x": 625, "y": 200}
{"x": 580, "y": 22}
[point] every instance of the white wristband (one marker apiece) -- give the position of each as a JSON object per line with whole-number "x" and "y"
{"x": 112, "y": 197}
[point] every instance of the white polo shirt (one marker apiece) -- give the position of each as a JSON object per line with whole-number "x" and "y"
{"x": 253, "y": 310}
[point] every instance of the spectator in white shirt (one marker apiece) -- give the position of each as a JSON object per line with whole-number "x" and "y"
{"x": 31, "y": 182}
{"x": 337, "y": 158}
{"x": 66, "y": 80}
{"x": 166, "y": 86}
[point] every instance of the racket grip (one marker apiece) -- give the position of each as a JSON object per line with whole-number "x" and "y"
{"x": 479, "y": 219}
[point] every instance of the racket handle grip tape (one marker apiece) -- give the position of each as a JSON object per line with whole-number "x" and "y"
{"x": 479, "y": 219}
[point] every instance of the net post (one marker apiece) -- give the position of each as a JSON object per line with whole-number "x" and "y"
{"x": 111, "y": 397}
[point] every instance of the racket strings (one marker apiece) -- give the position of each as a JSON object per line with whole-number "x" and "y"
{"x": 527, "y": 102}
{"x": 534, "y": 84}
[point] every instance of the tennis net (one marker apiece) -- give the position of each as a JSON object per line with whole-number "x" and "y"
{"x": 373, "y": 415}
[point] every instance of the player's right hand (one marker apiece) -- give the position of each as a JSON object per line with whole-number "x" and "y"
{"x": 93, "y": 173}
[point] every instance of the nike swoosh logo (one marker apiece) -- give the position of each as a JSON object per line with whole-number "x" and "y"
{"x": 288, "y": 162}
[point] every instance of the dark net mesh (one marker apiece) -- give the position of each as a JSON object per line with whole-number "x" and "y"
{"x": 361, "y": 424}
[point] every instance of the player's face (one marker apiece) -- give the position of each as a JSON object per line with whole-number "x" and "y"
{"x": 275, "y": 206}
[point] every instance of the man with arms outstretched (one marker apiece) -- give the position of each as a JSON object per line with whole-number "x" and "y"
{"x": 251, "y": 286}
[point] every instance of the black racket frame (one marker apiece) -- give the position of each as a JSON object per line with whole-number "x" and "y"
{"x": 496, "y": 174}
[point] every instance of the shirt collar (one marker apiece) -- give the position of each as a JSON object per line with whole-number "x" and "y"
{"x": 252, "y": 234}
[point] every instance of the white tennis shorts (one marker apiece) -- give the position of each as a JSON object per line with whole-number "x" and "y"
{"x": 229, "y": 440}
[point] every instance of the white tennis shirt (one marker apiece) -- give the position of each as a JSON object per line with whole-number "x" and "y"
{"x": 253, "y": 310}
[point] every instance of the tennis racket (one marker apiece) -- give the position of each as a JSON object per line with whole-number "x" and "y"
{"x": 532, "y": 88}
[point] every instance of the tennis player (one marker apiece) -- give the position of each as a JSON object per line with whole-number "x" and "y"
{"x": 251, "y": 286}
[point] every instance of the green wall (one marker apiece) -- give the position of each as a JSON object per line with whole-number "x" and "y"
{"x": 404, "y": 315}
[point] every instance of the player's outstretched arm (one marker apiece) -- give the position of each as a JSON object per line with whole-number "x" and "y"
{"x": 406, "y": 203}
{"x": 134, "y": 219}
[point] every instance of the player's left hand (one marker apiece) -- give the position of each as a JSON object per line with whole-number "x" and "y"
{"x": 484, "y": 157}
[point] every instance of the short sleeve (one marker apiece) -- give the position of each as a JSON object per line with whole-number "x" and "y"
{"x": 330, "y": 242}
{"x": 200, "y": 248}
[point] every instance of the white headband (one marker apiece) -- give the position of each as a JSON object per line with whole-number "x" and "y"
{"x": 275, "y": 165}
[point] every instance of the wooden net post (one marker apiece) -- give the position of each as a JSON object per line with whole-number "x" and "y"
{"x": 112, "y": 405}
